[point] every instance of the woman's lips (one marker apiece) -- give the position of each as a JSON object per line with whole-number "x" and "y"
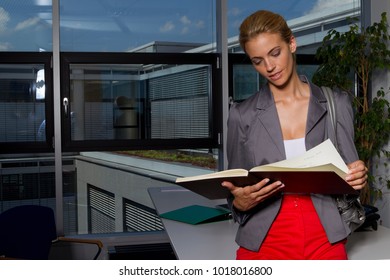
{"x": 275, "y": 76}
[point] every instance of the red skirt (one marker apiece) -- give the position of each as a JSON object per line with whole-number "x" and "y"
{"x": 296, "y": 234}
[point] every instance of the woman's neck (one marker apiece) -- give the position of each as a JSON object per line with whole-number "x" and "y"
{"x": 292, "y": 90}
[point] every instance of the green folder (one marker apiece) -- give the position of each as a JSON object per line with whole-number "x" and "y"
{"x": 197, "y": 214}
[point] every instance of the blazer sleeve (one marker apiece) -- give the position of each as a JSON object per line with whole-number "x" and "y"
{"x": 235, "y": 143}
{"x": 235, "y": 139}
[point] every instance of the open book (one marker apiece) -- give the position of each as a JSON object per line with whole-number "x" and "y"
{"x": 319, "y": 170}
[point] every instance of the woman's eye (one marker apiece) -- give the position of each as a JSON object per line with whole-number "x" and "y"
{"x": 256, "y": 61}
{"x": 276, "y": 53}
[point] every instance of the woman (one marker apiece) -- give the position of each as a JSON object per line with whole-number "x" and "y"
{"x": 284, "y": 119}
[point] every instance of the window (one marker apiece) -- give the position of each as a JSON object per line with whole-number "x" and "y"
{"x": 140, "y": 101}
{"x": 26, "y": 111}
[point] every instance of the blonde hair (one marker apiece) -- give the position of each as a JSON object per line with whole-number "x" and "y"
{"x": 263, "y": 21}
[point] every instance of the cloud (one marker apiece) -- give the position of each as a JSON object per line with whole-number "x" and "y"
{"x": 185, "y": 30}
{"x": 326, "y": 4}
{"x": 43, "y": 2}
{"x": 5, "y": 46}
{"x": 234, "y": 12}
{"x": 4, "y": 19}
{"x": 27, "y": 23}
{"x": 236, "y": 24}
{"x": 200, "y": 24}
{"x": 185, "y": 20}
{"x": 168, "y": 26}
{"x": 184, "y": 23}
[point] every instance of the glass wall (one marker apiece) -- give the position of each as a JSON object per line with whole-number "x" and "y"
{"x": 128, "y": 26}
{"x": 309, "y": 18}
{"x": 26, "y": 25}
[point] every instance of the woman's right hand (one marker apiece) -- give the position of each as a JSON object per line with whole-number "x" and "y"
{"x": 245, "y": 198}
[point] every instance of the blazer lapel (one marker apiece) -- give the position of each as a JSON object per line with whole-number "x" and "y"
{"x": 268, "y": 117}
{"x": 317, "y": 110}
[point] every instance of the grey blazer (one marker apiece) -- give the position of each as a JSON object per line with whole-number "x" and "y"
{"x": 254, "y": 138}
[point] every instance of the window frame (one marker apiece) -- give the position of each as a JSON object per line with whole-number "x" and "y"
{"x": 44, "y": 58}
{"x": 215, "y": 100}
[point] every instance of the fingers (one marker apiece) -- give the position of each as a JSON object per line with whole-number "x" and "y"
{"x": 248, "y": 197}
{"x": 358, "y": 183}
{"x": 357, "y": 166}
{"x": 357, "y": 175}
{"x": 260, "y": 186}
{"x": 231, "y": 187}
{"x": 266, "y": 191}
{"x": 228, "y": 185}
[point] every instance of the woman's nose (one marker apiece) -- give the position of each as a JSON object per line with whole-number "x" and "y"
{"x": 269, "y": 65}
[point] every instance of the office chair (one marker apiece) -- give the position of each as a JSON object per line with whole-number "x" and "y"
{"x": 28, "y": 232}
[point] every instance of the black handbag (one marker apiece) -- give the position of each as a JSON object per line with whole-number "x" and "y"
{"x": 349, "y": 206}
{"x": 351, "y": 210}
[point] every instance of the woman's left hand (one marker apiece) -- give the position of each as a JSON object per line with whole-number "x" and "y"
{"x": 357, "y": 175}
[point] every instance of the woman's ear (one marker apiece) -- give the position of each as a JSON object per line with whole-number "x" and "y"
{"x": 293, "y": 44}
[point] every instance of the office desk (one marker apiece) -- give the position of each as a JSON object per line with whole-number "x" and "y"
{"x": 369, "y": 245}
{"x": 215, "y": 241}
{"x": 195, "y": 242}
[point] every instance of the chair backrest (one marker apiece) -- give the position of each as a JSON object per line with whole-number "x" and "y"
{"x": 26, "y": 232}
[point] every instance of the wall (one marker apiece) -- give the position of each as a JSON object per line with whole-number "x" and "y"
{"x": 126, "y": 177}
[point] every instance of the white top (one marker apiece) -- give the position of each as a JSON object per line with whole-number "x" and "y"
{"x": 294, "y": 147}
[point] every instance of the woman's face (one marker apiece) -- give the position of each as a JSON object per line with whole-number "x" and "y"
{"x": 272, "y": 57}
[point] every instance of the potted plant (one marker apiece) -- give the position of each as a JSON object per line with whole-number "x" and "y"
{"x": 348, "y": 59}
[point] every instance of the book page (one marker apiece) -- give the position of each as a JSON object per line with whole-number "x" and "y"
{"x": 221, "y": 174}
{"x": 322, "y": 154}
{"x": 319, "y": 168}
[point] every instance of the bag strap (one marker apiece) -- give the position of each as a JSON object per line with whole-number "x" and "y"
{"x": 331, "y": 110}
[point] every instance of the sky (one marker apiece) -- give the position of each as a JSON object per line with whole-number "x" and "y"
{"x": 120, "y": 25}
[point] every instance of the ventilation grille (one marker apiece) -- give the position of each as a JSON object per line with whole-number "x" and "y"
{"x": 101, "y": 211}
{"x": 140, "y": 218}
